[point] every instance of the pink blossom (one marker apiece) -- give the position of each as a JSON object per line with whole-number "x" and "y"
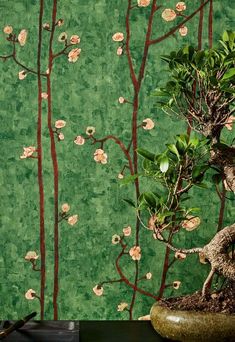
{"x": 90, "y": 130}
{"x": 62, "y": 37}
{"x": 144, "y": 318}
{"x": 148, "y": 124}
{"x": 176, "y": 284}
{"x": 22, "y": 37}
{"x": 75, "y": 39}
{"x": 65, "y": 207}
{"x": 60, "y": 22}
{"x": 135, "y": 252}
{"x": 46, "y": 26}
{"x": 118, "y": 37}
{"x": 148, "y": 275}
{"x": 119, "y": 51}
{"x": 27, "y": 152}
{"x": 121, "y": 100}
{"x": 143, "y": 3}
{"x": 8, "y": 29}
{"x": 168, "y": 14}
{"x": 180, "y": 6}
{"x": 79, "y": 140}
{"x": 229, "y": 122}
{"x": 30, "y": 294}
{"x": 31, "y": 255}
{"x": 72, "y": 220}
{"x": 22, "y": 74}
{"x": 115, "y": 239}
{"x": 60, "y": 124}
{"x": 191, "y": 222}
{"x": 122, "y": 307}
{"x": 98, "y": 290}
{"x": 183, "y": 30}
{"x": 61, "y": 136}
{"x": 100, "y": 156}
{"x": 127, "y": 231}
{"x": 74, "y": 55}
{"x": 44, "y": 96}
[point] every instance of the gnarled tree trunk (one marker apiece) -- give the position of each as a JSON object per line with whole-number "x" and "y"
{"x": 216, "y": 251}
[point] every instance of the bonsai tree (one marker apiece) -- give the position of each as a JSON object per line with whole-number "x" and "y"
{"x": 200, "y": 89}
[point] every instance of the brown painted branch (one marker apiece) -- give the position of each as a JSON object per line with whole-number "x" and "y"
{"x": 40, "y": 170}
{"x": 134, "y": 292}
{"x": 122, "y": 146}
{"x": 164, "y": 272}
{"x": 200, "y": 27}
{"x": 171, "y": 32}
{"x": 128, "y": 52}
{"x": 210, "y": 25}
{"x": 55, "y": 167}
{"x": 13, "y": 56}
{"x": 133, "y": 286}
{"x": 62, "y": 52}
{"x": 6, "y": 57}
{"x": 111, "y": 281}
{"x": 134, "y": 133}
{"x": 147, "y": 41}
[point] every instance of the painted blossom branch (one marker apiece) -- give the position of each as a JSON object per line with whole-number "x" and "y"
{"x": 62, "y": 52}
{"x": 128, "y": 52}
{"x": 133, "y": 286}
{"x": 14, "y": 57}
{"x": 118, "y": 142}
{"x": 136, "y": 81}
{"x": 172, "y": 31}
{"x": 55, "y": 165}
{"x": 40, "y": 167}
{"x": 210, "y": 25}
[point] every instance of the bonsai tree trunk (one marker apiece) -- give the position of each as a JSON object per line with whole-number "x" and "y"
{"x": 216, "y": 252}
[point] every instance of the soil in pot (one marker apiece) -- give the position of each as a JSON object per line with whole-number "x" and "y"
{"x": 193, "y": 318}
{"x": 222, "y": 301}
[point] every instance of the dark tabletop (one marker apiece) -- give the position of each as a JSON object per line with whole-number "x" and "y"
{"x": 118, "y": 331}
{"x": 84, "y": 331}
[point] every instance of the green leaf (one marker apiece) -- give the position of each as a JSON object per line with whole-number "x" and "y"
{"x": 146, "y": 154}
{"x": 173, "y": 149}
{"x": 216, "y": 178}
{"x": 225, "y": 36}
{"x": 201, "y": 185}
{"x": 130, "y": 202}
{"x": 229, "y": 74}
{"x": 199, "y": 170}
{"x": 150, "y": 198}
{"x": 194, "y": 142}
{"x": 195, "y": 210}
{"x": 149, "y": 166}
{"x": 164, "y": 164}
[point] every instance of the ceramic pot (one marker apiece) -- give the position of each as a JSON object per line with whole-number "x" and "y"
{"x": 190, "y": 326}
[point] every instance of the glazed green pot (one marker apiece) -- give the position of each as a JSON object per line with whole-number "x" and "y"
{"x": 190, "y": 326}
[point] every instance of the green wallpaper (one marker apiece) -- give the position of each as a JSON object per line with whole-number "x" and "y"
{"x": 83, "y": 94}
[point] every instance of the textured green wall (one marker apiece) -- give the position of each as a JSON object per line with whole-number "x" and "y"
{"x": 84, "y": 94}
